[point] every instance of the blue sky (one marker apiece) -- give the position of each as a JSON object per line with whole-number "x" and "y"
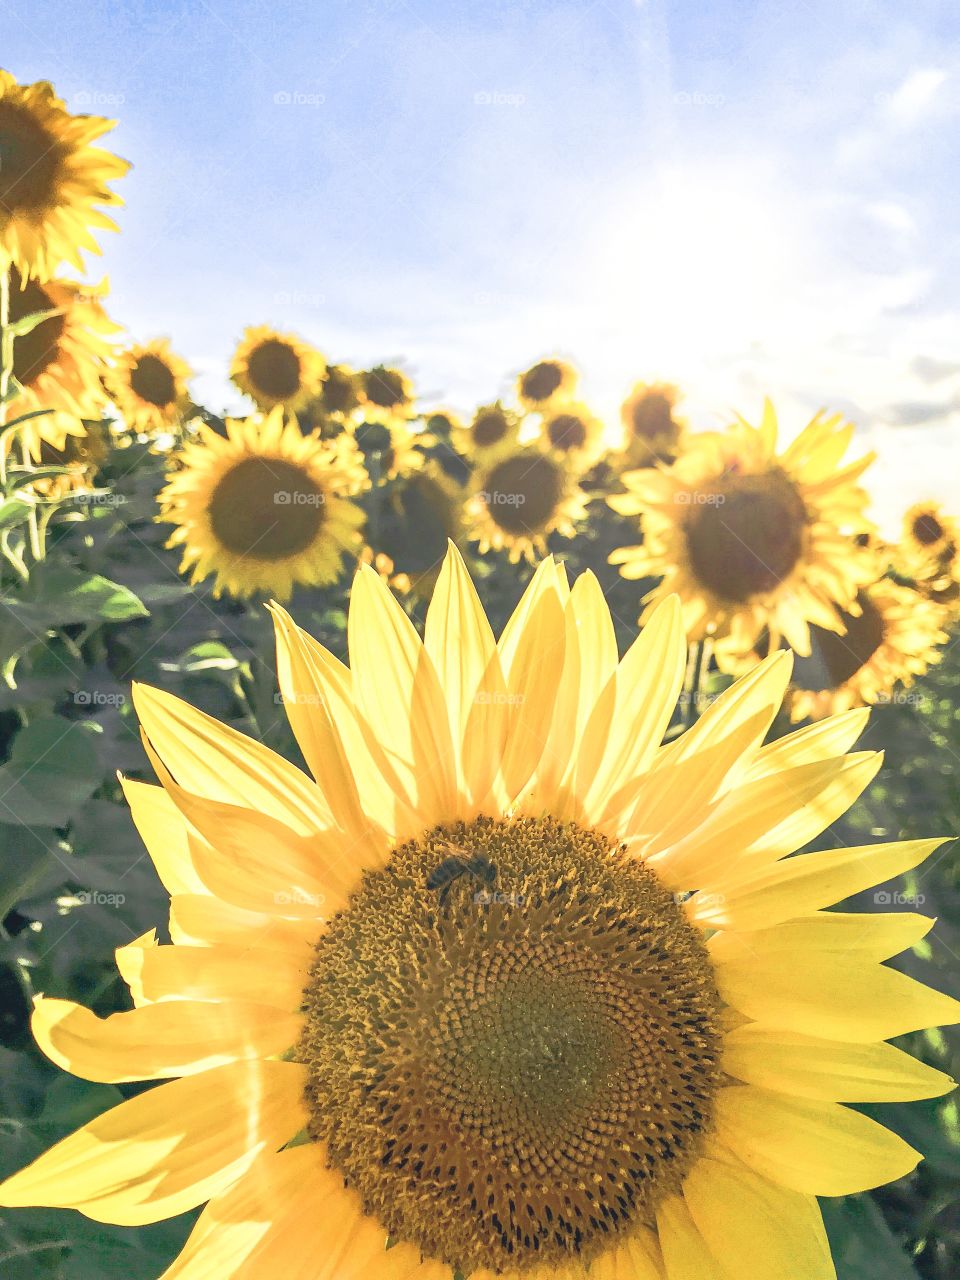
{"x": 748, "y": 197}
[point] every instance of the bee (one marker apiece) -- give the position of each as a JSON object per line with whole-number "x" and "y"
{"x": 460, "y": 862}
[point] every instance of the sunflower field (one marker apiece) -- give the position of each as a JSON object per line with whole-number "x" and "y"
{"x": 441, "y": 844}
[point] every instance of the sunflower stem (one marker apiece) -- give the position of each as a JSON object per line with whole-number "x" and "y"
{"x": 697, "y": 668}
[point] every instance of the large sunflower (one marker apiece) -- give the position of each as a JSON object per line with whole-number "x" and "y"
{"x": 264, "y": 507}
{"x": 148, "y": 384}
{"x": 652, "y": 431}
{"x": 545, "y": 382}
{"x": 58, "y": 365}
{"x": 511, "y": 989}
{"x": 277, "y": 369}
{"x": 895, "y": 637}
{"x": 749, "y": 538}
{"x": 51, "y": 179}
{"x": 519, "y": 500}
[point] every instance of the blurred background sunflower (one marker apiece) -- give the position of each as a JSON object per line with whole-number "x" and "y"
{"x": 148, "y": 383}
{"x": 277, "y": 369}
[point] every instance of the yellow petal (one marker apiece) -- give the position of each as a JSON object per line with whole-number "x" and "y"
{"x": 164, "y": 832}
{"x": 201, "y": 920}
{"x": 768, "y": 818}
{"x": 397, "y": 690}
{"x": 808, "y": 1145}
{"x": 175, "y": 1038}
{"x": 169, "y": 1149}
{"x": 291, "y": 1216}
{"x": 314, "y": 726}
{"x": 647, "y": 684}
{"x": 254, "y": 862}
{"x": 756, "y": 1228}
{"x": 765, "y": 895}
{"x": 823, "y": 993}
{"x": 809, "y": 1067}
{"x": 266, "y": 974}
{"x": 636, "y": 1258}
{"x": 532, "y": 651}
{"x": 460, "y": 642}
{"x": 224, "y": 765}
{"x": 685, "y": 1252}
{"x": 823, "y": 740}
{"x": 851, "y": 935}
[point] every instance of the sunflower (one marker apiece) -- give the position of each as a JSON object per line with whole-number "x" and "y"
{"x": 84, "y": 453}
{"x": 264, "y": 507}
{"x": 51, "y": 179}
{"x": 522, "y": 498}
{"x": 387, "y": 444}
{"x": 927, "y": 531}
{"x": 546, "y": 381}
{"x": 573, "y": 433}
{"x": 340, "y": 391}
{"x": 277, "y": 369}
{"x": 895, "y": 637}
{"x": 511, "y": 989}
{"x": 491, "y": 433}
{"x": 58, "y": 364}
{"x": 424, "y": 514}
{"x": 750, "y": 538}
{"x": 652, "y": 431}
{"x": 388, "y": 389}
{"x": 148, "y": 384}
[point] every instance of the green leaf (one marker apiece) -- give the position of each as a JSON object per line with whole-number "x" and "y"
{"x": 13, "y": 512}
{"x": 26, "y": 324}
{"x": 58, "y": 595}
{"x": 53, "y": 768}
{"x": 863, "y": 1246}
{"x": 32, "y": 862}
{"x": 211, "y": 655}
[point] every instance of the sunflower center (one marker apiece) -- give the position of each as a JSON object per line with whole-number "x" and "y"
{"x": 745, "y": 534}
{"x": 522, "y": 493}
{"x": 542, "y": 380}
{"x": 512, "y": 1044}
{"x": 835, "y": 659}
{"x": 37, "y": 350}
{"x": 426, "y": 519}
{"x": 489, "y": 428}
{"x": 153, "y": 381}
{"x": 927, "y": 529}
{"x": 273, "y": 368}
{"x": 29, "y": 162}
{"x": 385, "y": 387}
{"x": 266, "y": 508}
{"x": 651, "y": 417}
{"x": 339, "y": 390}
{"x": 567, "y": 431}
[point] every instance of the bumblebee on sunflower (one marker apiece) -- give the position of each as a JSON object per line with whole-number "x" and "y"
{"x": 52, "y": 179}
{"x": 264, "y": 507}
{"x": 521, "y": 498}
{"x": 636, "y": 1049}
{"x": 57, "y": 365}
{"x": 750, "y": 538}
{"x": 277, "y": 370}
{"x": 148, "y": 383}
